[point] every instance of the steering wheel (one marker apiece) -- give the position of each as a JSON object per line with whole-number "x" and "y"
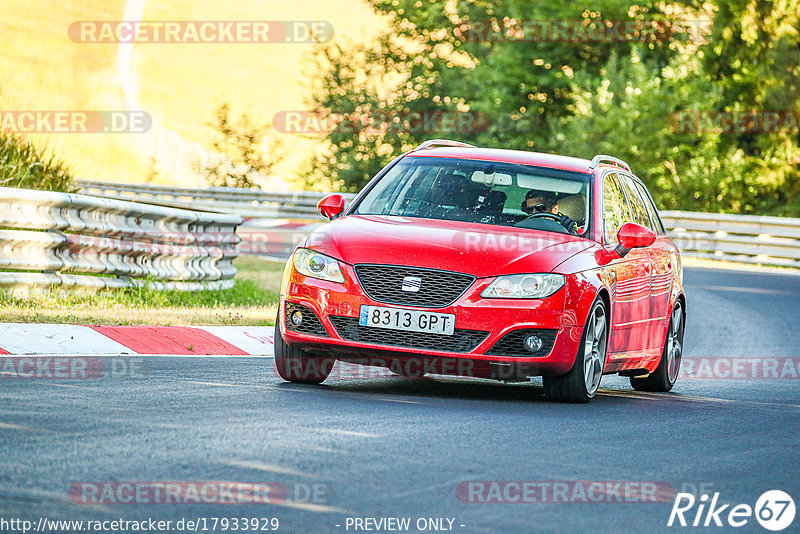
{"x": 547, "y": 215}
{"x": 557, "y": 218}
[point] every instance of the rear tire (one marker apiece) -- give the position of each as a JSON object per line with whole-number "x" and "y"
{"x": 666, "y": 374}
{"x": 296, "y": 366}
{"x": 580, "y": 384}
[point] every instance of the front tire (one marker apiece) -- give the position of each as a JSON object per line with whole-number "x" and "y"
{"x": 666, "y": 374}
{"x": 580, "y": 384}
{"x": 296, "y": 366}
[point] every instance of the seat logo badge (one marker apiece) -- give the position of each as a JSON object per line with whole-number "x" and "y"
{"x": 412, "y": 284}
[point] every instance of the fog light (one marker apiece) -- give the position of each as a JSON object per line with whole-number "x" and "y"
{"x": 296, "y": 317}
{"x": 534, "y": 343}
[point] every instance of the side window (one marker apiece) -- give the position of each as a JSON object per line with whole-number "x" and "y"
{"x": 651, "y": 209}
{"x": 615, "y": 209}
{"x": 639, "y": 212}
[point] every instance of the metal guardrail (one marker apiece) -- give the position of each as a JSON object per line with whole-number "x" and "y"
{"x": 49, "y": 238}
{"x": 240, "y": 201}
{"x": 737, "y": 238}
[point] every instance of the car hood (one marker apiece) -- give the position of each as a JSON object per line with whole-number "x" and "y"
{"x": 478, "y": 249}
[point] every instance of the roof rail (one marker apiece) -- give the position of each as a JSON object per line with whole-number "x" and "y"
{"x": 615, "y": 162}
{"x": 442, "y": 142}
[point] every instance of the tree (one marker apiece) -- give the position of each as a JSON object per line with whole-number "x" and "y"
{"x": 753, "y": 56}
{"x": 240, "y": 160}
{"x": 434, "y": 60}
{"x": 579, "y": 96}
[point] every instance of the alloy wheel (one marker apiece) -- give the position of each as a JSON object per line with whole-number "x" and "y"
{"x": 594, "y": 349}
{"x": 674, "y": 344}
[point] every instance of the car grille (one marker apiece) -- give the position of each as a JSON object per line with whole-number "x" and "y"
{"x": 513, "y": 343}
{"x": 435, "y": 289}
{"x": 311, "y": 323}
{"x": 461, "y": 340}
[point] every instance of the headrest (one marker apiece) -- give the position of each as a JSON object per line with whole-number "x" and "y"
{"x": 574, "y": 207}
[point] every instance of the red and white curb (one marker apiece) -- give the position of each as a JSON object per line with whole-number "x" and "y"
{"x": 28, "y": 339}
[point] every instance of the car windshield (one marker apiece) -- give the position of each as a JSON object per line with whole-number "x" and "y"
{"x": 485, "y": 192}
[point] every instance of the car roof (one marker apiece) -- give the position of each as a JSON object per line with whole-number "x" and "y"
{"x": 554, "y": 161}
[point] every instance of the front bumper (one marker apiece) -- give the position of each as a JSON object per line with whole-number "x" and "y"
{"x": 480, "y": 325}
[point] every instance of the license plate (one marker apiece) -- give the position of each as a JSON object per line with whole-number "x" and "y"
{"x": 409, "y": 320}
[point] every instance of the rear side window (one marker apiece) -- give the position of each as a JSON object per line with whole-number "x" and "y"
{"x": 638, "y": 211}
{"x": 651, "y": 209}
{"x": 615, "y": 209}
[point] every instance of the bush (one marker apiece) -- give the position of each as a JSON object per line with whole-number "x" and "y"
{"x": 23, "y": 165}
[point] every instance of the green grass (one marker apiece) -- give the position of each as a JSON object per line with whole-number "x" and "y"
{"x": 243, "y": 293}
{"x": 252, "y": 301}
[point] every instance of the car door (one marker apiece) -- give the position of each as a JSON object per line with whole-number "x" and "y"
{"x": 663, "y": 257}
{"x": 631, "y": 299}
{"x": 653, "y": 312}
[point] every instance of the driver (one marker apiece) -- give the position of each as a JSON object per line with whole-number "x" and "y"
{"x": 540, "y": 202}
{"x": 537, "y": 201}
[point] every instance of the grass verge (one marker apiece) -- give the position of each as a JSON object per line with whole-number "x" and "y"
{"x": 251, "y": 302}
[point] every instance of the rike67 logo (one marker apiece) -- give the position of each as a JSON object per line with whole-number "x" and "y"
{"x": 774, "y": 510}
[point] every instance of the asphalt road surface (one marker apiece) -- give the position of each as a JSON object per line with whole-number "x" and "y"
{"x": 391, "y": 447}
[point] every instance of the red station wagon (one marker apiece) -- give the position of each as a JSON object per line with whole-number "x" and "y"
{"x": 490, "y": 263}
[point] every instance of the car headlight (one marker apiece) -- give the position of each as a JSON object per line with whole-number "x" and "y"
{"x": 524, "y": 286}
{"x": 316, "y": 265}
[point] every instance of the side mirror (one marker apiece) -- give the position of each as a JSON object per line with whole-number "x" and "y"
{"x": 331, "y": 206}
{"x": 633, "y": 235}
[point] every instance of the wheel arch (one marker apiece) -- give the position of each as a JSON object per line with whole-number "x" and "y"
{"x": 605, "y": 294}
{"x": 682, "y": 298}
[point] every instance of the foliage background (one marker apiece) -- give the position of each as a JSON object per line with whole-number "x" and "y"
{"x": 581, "y": 97}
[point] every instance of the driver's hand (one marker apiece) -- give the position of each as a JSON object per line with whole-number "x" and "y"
{"x": 568, "y": 223}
